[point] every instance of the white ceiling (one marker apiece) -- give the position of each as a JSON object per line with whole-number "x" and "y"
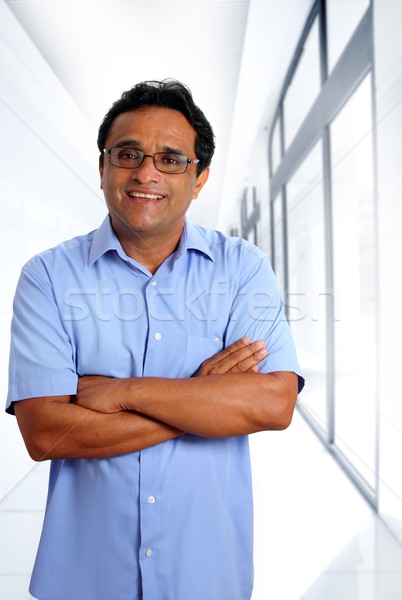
{"x": 98, "y": 48}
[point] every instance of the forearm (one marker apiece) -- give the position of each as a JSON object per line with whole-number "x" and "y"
{"x": 225, "y": 397}
{"x": 217, "y": 405}
{"x": 56, "y": 429}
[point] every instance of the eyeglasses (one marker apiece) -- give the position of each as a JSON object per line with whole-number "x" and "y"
{"x": 165, "y": 162}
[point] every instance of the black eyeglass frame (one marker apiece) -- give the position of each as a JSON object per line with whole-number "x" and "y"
{"x": 188, "y": 161}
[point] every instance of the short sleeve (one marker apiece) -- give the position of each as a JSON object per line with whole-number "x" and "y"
{"x": 41, "y": 356}
{"x": 258, "y": 313}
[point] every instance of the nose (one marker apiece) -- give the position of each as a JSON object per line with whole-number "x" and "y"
{"x": 146, "y": 171}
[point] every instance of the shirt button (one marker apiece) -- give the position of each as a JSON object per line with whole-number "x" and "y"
{"x": 152, "y": 500}
{"x": 154, "y": 282}
{"x": 158, "y": 336}
{"x": 148, "y": 552}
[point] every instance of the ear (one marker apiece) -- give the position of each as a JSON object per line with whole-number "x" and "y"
{"x": 200, "y": 182}
{"x": 101, "y": 174}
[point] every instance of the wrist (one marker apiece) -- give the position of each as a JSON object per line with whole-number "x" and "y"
{"x": 131, "y": 393}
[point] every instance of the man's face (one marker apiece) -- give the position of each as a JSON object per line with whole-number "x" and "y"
{"x": 145, "y": 203}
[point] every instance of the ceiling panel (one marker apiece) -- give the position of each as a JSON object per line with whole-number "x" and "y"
{"x": 100, "y": 48}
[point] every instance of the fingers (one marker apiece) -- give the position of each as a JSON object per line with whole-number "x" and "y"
{"x": 229, "y": 351}
{"x": 240, "y": 357}
{"x": 250, "y": 364}
{"x": 246, "y": 358}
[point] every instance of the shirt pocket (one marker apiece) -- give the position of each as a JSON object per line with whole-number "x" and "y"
{"x": 198, "y": 349}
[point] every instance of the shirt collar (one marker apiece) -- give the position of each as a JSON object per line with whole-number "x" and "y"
{"x": 192, "y": 239}
{"x": 105, "y": 239}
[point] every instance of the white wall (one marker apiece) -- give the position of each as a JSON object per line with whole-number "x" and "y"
{"x": 388, "y": 78}
{"x": 48, "y": 189}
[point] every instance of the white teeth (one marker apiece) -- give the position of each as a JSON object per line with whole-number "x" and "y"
{"x": 140, "y": 195}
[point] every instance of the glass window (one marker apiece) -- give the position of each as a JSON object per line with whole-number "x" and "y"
{"x": 277, "y": 232}
{"x": 304, "y": 87}
{"x": 307, "y": 295}
{"x": 354, "y": 281}
{"x": 343, "y": 16}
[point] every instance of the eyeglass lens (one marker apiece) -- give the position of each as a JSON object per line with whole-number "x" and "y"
{"x": 131, "y": 158}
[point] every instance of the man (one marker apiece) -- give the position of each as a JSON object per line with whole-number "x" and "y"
{"x": 176, "y": 339}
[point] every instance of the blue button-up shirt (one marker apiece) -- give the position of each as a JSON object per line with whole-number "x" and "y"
{"x": 174, "y": 521}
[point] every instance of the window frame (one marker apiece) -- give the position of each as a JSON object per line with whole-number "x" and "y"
{"x": 354, "y": 63}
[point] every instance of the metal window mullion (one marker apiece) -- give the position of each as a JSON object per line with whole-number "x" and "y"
{"x": 272, "y": 240}
{"x": 328, "y": 242}
{"x": 377, "y": 273}
{"x": 283, "y": 206}
{"x": 256, "y": 215}
{"x": 300, "y": 48}
{"x": 272, "y": 199}
{"x": 285, "y": 251}
{"x": 346, "y": 76}
{"x": 322, "y": 21}
{"x": 329, "y": 286}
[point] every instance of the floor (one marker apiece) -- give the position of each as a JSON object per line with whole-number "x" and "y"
{"x": 315, "y": 537}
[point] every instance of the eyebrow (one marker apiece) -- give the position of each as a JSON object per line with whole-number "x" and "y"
{"x": 129, "y": 143}
{"x": 169, "y": 149}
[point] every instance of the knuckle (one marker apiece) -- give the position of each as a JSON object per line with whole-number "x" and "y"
{"x": 242, "y": 366}
{"x": 226, "y": 352}
{"x": 237, "y": 355}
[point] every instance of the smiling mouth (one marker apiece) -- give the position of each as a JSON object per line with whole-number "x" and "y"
{"x": 147, "y": 196}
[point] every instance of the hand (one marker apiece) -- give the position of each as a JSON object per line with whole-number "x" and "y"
{"x": 241, "y": 357}
{"x": 102, "y": 394}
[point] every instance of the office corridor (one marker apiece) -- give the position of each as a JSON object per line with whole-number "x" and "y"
{"x": 305, "y": 99}
{"x": 315, "y": 537}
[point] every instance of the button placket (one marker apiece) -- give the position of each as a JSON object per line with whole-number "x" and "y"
{"x": 150, "y": 298}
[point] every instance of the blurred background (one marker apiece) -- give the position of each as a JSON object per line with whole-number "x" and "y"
{"x": 305, "y": 98}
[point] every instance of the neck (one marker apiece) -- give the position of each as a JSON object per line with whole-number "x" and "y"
{"x": 149, "y": 250}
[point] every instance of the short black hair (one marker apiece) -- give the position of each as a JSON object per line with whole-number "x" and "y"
{"x": 168, "y": 93}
